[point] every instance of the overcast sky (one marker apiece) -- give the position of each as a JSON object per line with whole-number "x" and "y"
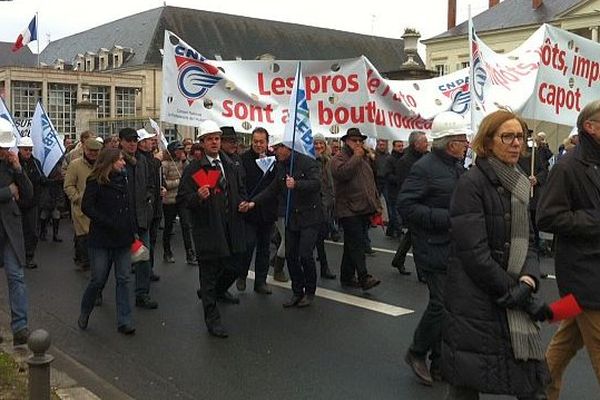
{"x": 60, "y": 18}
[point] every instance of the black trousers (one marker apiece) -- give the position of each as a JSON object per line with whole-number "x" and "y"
{"x": 153, "y": 231}
{"x": 355, "y": 242}
{"x": 29, "y": 217}
{"x": 216, "y": 276}
{"x": 320, "y": 244}
{"x": 171, "y": 211}
{"x": 428, "y": 335}
{"x": 257, "y": 237}
{"x": 299, "y": 246}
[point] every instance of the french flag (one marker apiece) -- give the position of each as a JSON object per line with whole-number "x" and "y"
{"x": 28, "y": 35}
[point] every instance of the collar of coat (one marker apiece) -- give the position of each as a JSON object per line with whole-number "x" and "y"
{"x": 204, "y": 163}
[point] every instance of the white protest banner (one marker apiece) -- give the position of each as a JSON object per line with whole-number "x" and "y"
{"x": 47, "y": 147}
{"x": 568, "y": 79}
{"x": 340, "y": 94}
{"x": 503, "y": 80}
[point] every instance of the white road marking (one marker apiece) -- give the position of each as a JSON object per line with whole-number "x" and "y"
{"x": 374, "y": 248}
{"x": 355, "y": 301}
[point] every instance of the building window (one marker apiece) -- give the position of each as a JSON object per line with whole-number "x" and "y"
{"x": 61, "y": 107}
{"x": 24, "y": 96}
{"x": 441, "y": 69}
{"x": 125, "y": 102}
{"x": 100, "y": 95}
{"x": 465, "y": 64}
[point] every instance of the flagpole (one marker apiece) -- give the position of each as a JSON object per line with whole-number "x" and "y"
{"x": 37, "y": 34}
{"x": 289, "y": 191}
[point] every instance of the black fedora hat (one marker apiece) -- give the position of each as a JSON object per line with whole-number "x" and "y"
{"x": 228, "y": 133}
{"x": 354, "y": 133}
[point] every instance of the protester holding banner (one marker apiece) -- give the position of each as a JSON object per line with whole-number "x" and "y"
{"x": 490, "y": 339}
{"x": 173, "y": 164}
{"x": 570, "y": 208}
{"x": 417, "y": 148}
{"x": 296, "y": 187}
{"x": 212, "y": 189}
{"x": 327, "y": 201}
{"x": 260, "y": 220}
{"x": 14, "y": 186}
{"x": 111, "y": 233}
{"x": 140, "y": 195}
{"x": 29, "y": 209}
{"x": 356, "y": 200}
{"x": 74, "y": 185}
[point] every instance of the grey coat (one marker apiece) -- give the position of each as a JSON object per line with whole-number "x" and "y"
{"x": 11, "y": 227}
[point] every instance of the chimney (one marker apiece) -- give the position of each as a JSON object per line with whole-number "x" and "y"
{"x": 451, "y": 14}
{"x": 492, "y": 3}
{"x": 536, "y": 4}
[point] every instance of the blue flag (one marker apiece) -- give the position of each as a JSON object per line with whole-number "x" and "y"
{"x": 298, "y": 133}
{"x": 47, "y": 147}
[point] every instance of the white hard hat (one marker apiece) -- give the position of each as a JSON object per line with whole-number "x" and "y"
{"x": 207, "y": 127}
{"x": 144, "y": 134}
{"x": 7, "y": 139}
{"x": 25, "y": 141}
{"x": 448, "y": 123}
{"x": 275, "y": 140}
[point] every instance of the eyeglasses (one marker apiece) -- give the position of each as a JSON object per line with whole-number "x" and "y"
{"x": 509, "y": 137}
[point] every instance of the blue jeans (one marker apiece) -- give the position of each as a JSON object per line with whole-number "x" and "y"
{"x": 17, "y": 291}
{"x": 101, "y": 260}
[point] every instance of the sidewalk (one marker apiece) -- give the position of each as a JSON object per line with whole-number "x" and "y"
{"x": 65, "y": 386}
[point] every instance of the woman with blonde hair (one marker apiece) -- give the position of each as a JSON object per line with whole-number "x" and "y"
{"x": 491, "y": 339}
{"x": 112, "y": 227}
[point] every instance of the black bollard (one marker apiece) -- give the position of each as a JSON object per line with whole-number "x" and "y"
{"x": 39, "y": 365}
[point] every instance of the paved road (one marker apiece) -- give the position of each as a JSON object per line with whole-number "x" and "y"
{"x": 331, "y": 350}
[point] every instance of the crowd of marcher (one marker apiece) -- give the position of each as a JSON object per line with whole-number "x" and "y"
{"x": 474, "y": 230}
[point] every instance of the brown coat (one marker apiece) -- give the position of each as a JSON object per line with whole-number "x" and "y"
{"x": 74, "y": 185}
{"x": 172, "y": 171}
{"x": 354, "y": 183}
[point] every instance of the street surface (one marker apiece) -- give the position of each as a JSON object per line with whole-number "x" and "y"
{"x": 347, "y": 345}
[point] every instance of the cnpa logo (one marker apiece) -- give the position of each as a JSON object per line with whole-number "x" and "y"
{"x": 196, "y": 77}
{"x": 458, "y": 91}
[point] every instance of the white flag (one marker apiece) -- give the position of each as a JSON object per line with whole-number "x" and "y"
{"x": 4, "y": 113}
{"x": 298, "y": 132}
{"x": 47, "y": 147}
{"x": 162, "y": 141}
{"x": 265, "y": 163}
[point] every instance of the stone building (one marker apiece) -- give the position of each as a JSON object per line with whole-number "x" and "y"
{"x": 118, "y": 66}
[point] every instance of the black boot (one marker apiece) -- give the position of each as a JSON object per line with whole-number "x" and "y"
{"x": 55, "y": 225}
{"x": 43, "y": 229}
{"x": 278, "y": 272}
{"x": 190, "y": 257}
{"x": 326, "y": 272}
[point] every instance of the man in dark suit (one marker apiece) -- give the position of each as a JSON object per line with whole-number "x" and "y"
{"x": 217, "y": 225}
{"x": 259, "y": 222}
{"x": 14, "y": 186}
{"x": 303, "y": 215}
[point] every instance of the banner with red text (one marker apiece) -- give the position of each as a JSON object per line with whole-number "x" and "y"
{"x": 340, "y": 94}
{"x": 550, "y": 77}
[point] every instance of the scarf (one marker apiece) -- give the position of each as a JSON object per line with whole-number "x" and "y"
{"x": 524, "y": 333}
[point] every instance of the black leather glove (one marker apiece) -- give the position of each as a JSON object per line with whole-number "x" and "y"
{"x": 516, "y": 297}
{"x": 538, "y": 310}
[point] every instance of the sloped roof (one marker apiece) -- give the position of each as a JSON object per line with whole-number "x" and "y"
{"x": 21, "y": 58}
{"x": 229, "y": 36}
{"x": 512, "y": 14}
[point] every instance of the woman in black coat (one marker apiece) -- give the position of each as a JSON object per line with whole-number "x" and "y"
{"x": 112, "y": 228}
{"x": 491, "y": 341}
